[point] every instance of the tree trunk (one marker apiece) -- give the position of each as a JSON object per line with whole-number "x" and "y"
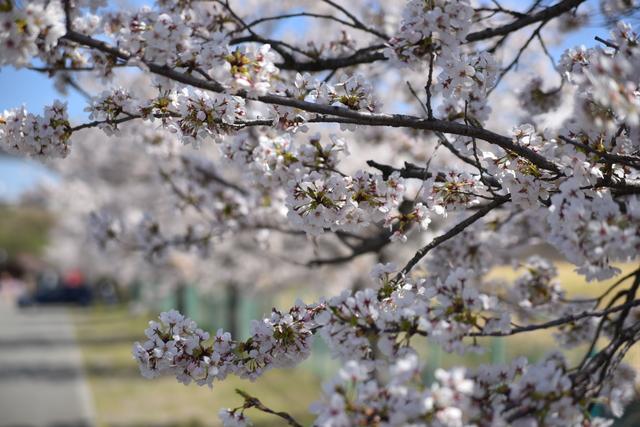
{"x": 233, "y": 303}
{"x": 181, "y": 299}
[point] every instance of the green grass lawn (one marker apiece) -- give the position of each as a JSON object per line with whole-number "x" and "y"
{"x": 23, "y": 229}
{"x": 123, "y": 398}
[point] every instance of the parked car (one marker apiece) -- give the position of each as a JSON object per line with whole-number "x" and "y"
{"x": 71, "y": 289}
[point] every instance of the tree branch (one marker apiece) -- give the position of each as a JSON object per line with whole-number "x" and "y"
{"x": 544, "y": 15}
{"x": 368, "y": 119}
{"x": 558, "y": 322}
{"x": 252, "y": 402}
{"x": 457, "y": 229}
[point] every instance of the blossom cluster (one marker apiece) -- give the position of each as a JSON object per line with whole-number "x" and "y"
{"x": 183, "y": 38}
{"x": 317, "y": 202}
{"x": 110, "y": 106}
{"x": 176, "y": 346}
{"x": 252, "y": 69}
{"x": 432, "y": 33}
{"x": 385, "y": 388}
{"x": 301, "y": 176}
{"x": 452, "y": 190}
{"x": 464, "y": 83}
{"x": 192, "y": 113}
{"x": 355, "y": 325}
{"x": 523, "y": 179}
{"x": 487, "y": 397}
{"x": 583, "y": 220}
{"x": 590, "y": 229}
{"x": 29, "y": 134}
{"x": 351, "y": 92}
{"x": 317, "y": 196}
{"x": 606, "y": 94}
{"x": 430, "y": 27}
{"x": 351, "y": 324}
{"x": 148, "y": 34}
{"x": 356, "y": 397}
{"x": 30, "y": 30}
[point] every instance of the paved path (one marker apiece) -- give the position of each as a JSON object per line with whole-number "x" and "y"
{"x": 41, "y": 379}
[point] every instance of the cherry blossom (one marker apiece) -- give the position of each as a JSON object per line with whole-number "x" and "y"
{"x": 437, "y": 138}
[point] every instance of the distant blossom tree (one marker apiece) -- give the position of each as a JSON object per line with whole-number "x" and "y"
{"x": 284, "y": 100}
{"x": 162, "y": 238}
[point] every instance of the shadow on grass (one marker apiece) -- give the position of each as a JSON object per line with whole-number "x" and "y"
{"x": 12, "y": 371}
{"x": 21, "y": 343}
{"x": 66, "y": 424}
{"x": 277, "y": 422}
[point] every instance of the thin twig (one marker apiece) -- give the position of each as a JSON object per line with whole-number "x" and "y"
{"x": 356, "y": 21}
{"x": 422, "y": 105}
{"x": 252, "y": 402}
{"x": 558, "y": 322}
{"x": 457, "y": 229}
{"x": 607, "y": 43}
{"x": 630, "y": 161}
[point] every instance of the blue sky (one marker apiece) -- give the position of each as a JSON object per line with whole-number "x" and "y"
{"x": 35, "y": 90}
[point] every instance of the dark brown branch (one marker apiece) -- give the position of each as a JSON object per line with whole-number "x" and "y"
{"x": 67, "y": 14}
{"x": 426, "y": 110}
{"x": 369, "y": 245}
{"x": 544, "y": 15}
{"x": 238, "y": 124}
{"x": 500, "y": 9}
{"x": 67, "y": 79}
{"x": 417, "y": 172}
{"x": 408, "y": 171}
{"x": 406, "y": 121}
{"x": 364, "y": 56}
{"x": 277, "y": 45}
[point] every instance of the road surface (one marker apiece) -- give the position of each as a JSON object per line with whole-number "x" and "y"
{"x": 41, "y": 378}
